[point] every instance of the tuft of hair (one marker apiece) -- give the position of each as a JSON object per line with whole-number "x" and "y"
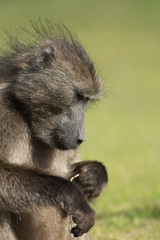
{"x": 45, "y": 41}
{"x": 42, "y": 33}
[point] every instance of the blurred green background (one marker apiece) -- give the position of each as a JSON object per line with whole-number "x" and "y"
{"x": 123, "y": 129}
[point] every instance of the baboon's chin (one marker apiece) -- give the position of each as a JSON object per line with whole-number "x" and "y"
{"x": 65, "y": 146}
{"x": 61, "y": 145}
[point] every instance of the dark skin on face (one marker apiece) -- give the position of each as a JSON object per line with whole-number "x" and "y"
{"x": 44, "y": 89}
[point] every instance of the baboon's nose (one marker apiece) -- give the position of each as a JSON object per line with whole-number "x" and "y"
{"x": 79, "y": 142}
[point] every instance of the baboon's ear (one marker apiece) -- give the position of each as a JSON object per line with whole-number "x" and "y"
{"x": 45, "y": 56}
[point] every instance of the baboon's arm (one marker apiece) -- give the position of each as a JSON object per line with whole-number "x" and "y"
{"x": 24, "y": 189}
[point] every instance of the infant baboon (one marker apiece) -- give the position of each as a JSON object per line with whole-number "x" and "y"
{"x": 45, "y": 187}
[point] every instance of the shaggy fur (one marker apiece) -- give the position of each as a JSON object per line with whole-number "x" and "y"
{"x": 44, "y": 87}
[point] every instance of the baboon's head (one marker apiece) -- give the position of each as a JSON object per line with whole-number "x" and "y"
{"x": 52, "y": 81}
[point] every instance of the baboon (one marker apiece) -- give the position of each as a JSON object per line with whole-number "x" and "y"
{"x": 45, "y": 85}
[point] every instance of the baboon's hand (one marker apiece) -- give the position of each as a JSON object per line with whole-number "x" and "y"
{"x": 91, "y": 176}
{"x": 83, "y": 216}
{"x": 75, "y": 204}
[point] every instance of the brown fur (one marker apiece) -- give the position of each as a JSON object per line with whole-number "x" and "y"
{"x": 38, "y": 84}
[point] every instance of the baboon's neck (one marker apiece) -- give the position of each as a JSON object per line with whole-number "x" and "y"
{"x": 52, "y": 160}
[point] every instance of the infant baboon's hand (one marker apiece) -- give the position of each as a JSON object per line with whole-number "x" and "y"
{"x": 91, "y": 176}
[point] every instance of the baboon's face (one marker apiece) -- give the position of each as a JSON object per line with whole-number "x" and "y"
{"x": 53, "y": 110}
{"x": 51, "y": 92}
{"x": 62, "y": 128}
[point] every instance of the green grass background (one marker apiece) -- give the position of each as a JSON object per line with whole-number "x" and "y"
{"x": 123, "y": 129}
